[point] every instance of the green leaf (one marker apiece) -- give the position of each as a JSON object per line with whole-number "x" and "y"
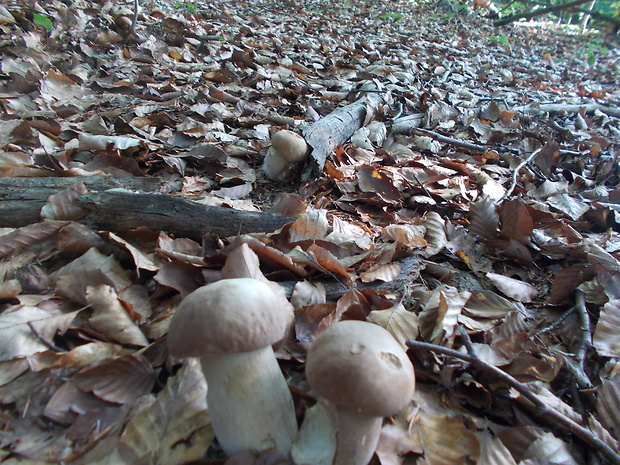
{"x": 43, "y": 21}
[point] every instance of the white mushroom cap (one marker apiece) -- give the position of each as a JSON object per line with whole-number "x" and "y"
{"x": 287, "y": 150}
{"x": 360, "y": 366}
{"x": 228, "y": 316}
{"x": 290, "y": 145}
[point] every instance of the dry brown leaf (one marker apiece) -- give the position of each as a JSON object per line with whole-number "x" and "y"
{"x": 483, "y": 218}
{"x": 385, "y": 273}
{"x": 513, "y": 288}
{"x": 60, "y": 206}
{"x": 493, "y": 451}
{"x": 23, "y": 330}
{"x": 407, "y": 234}
{"x": 182, "y": 249}
{"x": 118, "y": 380}
{"x": 435, "y": 233}
{"x": 306, "y": 293}
{"x": 516, "y": 222}
{"x": 439, "y": 316}
{"x": 111, "y": 318}
{"x": 606, "y": 336}
{"x": 441, "y": 435}
{"x": 400, "y": 322}
{"x": 312, "y": 224}
{"x": 36, "y": 236}
{"x": 608, "y": 404}
{"x": 172, "y": 428}
{"x": 487, "y": 304}
{"x": 91, "y": 269}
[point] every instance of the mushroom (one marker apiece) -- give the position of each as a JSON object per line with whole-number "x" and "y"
{"x": 231, "y": 325}
{"x": 287, "y": 150}
{"x": 361, "y": 374}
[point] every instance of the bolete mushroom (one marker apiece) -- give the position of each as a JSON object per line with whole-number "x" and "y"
{"x": 362, "y": 374}
{"x": 231, "y": 325}
{"x": 287, "y": 150}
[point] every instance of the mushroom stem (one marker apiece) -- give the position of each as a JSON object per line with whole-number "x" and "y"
{"x": 249, "y": 403}
{"x": 357, "y": 436}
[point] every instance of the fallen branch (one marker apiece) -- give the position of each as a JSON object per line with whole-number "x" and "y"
{"x": 515, "y": 174}
{"x": 122, "y": 210}
{"x": 449, "y": 140}
{"x": 115, "y": 206}
{"x": 336, "y": 128}
{"x": 537, "y": 405}
{"x": 569, "y": 108}
{"x": 538, "y": 12}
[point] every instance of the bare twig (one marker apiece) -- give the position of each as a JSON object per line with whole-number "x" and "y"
{"x": 43, "y": 339}
{"x": 585, "y": 339}
{"x": 515, "y": 174}
{"x": 449, "y": 140}
{"x": 551, "y": 416}
{"x": 556, "y": 323}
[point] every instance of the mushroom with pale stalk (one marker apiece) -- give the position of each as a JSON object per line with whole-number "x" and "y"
{"x": 231, "y": 325}
{"x": 287, "y": 150}
{"x": 361, "y": 374}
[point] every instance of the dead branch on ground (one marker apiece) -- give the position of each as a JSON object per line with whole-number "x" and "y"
{"x": 538, "y": 12}
{"x": 529, "y": 400}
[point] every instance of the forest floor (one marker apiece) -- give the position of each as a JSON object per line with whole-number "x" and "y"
{"x": 473, "y": 205}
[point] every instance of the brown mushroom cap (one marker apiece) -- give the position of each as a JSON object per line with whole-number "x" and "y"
{"x": 360, "y": 366}
{"x": 290, "y": 145}
{"x": 228, "y": 316}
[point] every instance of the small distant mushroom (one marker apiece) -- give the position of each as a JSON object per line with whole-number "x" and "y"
{"x": 287, "y": 150}
{"x": 231, "y": 325}
{"x": 362, "y": 374}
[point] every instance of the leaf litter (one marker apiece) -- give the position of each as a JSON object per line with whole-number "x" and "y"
{"x": 474, "y": 206}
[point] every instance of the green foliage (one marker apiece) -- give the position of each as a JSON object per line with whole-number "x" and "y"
{"x": 395, "y": 16}
{"x": 594, "y": 50}
{"x": 500, "y": 39}
{"x": 43, "y": 21}
{"x": 189, "y": 6}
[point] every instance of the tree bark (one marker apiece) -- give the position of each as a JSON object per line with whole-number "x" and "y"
{"x": 21, "y": 200}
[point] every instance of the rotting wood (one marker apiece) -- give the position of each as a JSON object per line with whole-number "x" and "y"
{"x": 21, "y": 199}
{"x": 121, "y": 210}
{"x": 111, "y": 208}
{"x": 336, "y": 128}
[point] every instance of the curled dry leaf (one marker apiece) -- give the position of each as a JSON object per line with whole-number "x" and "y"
{"x": 401, "y": 323}
{"x": 384, "y": 273}
{"x": 111, "y": 318}
{"x": 306, "y": 293}
{"x": 439, "y": 316}
{"x": 312, "y": 224}
{"x": 60, "y": 206}
{"x": 513, "y": 288}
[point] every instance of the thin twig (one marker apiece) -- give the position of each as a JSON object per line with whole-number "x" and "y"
{"x": 467, "y": 342}
{"x": 449, "y": 140}
{"x": 515, "y": 174}
{"x": 43, "y": 339}
{"x": 551, "y": 416}
{"x": 556, "y": 323}
{"x": 585, "y": 337}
